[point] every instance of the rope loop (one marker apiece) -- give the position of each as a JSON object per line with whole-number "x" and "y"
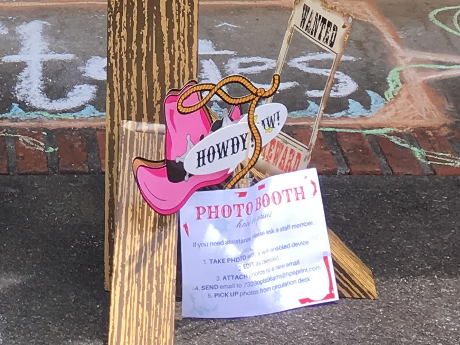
{"x": 254, "y": 96}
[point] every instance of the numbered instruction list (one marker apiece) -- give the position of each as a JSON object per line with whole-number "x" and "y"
{"x": 255, "y": 251}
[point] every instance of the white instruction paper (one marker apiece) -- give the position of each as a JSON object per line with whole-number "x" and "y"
{"x": 258, "y": 250}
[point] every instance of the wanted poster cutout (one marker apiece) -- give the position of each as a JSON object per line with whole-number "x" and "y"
{"x": 329, "y": 29}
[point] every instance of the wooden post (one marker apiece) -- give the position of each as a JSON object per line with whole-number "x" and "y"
{"x": 142, "y": 301}
{"x": 152, "y": 47}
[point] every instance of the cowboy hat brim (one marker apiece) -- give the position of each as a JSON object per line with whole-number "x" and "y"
{"x": 168, "y": 198}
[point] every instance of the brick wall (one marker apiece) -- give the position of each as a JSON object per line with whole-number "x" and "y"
{"x": 70, "y": 151}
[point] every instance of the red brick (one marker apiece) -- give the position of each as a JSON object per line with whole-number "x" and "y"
{"x": 401, "y": 159}
{"x": 30, "y": 153}
{"x": 73, "y": 152}
{"x": 436, "y": 143}
{"x": 321, "y": 158}
{"x": 358, "y": 153}
{"x": 101, "y": 144}
{"x": 3, "y": 156}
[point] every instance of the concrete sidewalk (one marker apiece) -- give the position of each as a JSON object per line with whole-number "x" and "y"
{"x": 404, "y": 228}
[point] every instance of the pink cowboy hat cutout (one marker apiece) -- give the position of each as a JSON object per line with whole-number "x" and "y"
{"x": 165, "y": 185}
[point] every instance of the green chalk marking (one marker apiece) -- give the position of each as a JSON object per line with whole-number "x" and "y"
{"x": 424, "y": 156}
{"x": 394, "y": 77}
{"x": 50, "y": 116}
{"x": 433, "y": 14}
{"x": 456, "y": 24}
{"x": 427, "y": 157}
{"x": 30, "y": 143}
{"x": 51, "y": 150}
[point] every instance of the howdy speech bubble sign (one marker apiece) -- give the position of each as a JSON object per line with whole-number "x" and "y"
{"x": 272, "y": 115}
{"x": 227, "y": 147}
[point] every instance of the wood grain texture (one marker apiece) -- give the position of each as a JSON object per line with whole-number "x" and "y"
{"x": 144, "y": 273}
{"x": 152, "y": 47}
{"x": 354, "y": 278}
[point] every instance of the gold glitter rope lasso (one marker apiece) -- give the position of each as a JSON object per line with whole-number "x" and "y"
{"x": 254, "y": 97}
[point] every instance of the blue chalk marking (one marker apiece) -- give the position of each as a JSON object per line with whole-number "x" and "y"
{"x": 355, "y": 109}
{"x": 18, "y": 114}
{"x": 215, "y": 107}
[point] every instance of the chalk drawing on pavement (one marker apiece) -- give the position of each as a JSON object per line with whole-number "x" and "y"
{"x": 424, "y": 156}
{"x": 224, "y": 24}
{"x": 17, "y": 113}
{"x": 34, "y": 52}
{"x": 95, "y": 68}
{"x": 206, "y": 47}
{"x": 394, "y": 79}
{"x": 29, "y": 142}
{"x": 3, "y": 29}
{"x": 254, "y": 65}
{"x": 416, "y": 103}
{"x": 355, "y": 108}
{"x": 455, "y": 18}
{"x": 407, "y": 87}
{"x": 344, "y": 86}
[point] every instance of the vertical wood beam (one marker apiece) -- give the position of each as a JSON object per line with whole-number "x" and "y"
{"x": 142, "y": 300}
{"x": 152, "y": 47}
